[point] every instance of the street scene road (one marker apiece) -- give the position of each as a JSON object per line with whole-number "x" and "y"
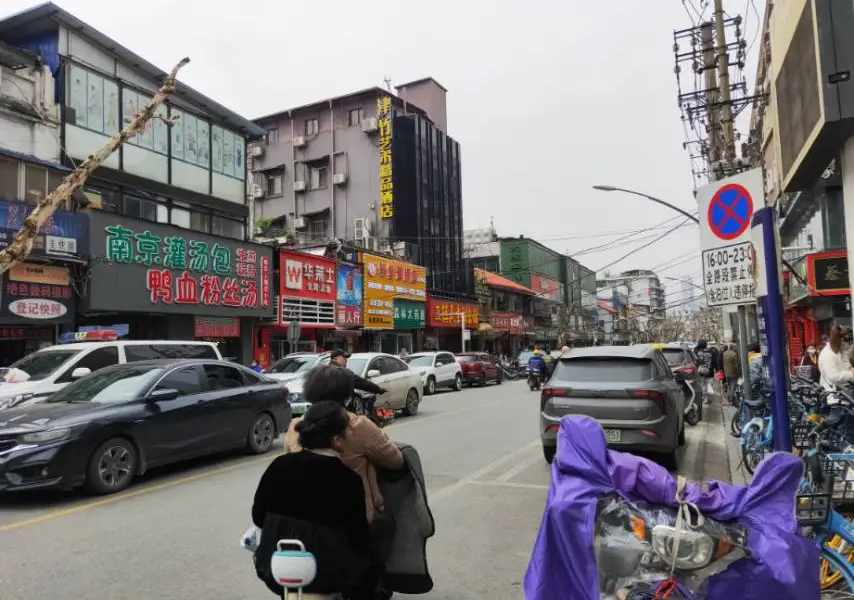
{"x": 175, "y": 533}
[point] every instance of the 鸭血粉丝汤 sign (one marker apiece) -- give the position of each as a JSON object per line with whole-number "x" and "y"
{"x": 386, "y": 173}
{"x": 138, "y": 266}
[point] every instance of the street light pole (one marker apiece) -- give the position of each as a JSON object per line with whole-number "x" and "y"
{"x": 462, "y": 331}
{"x": 610, "y": 188}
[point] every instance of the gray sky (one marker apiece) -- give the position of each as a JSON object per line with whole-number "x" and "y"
{"x": 545, "y": 102}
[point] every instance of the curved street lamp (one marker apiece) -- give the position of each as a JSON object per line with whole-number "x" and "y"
{"x": 611, "y": 188}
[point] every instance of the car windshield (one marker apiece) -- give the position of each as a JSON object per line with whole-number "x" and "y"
{"x": 40, "y": 365}
{"x": 464, "y": 358}
{"x": 293, "y": 364}
{"x": 356, "y": 365}
{"x": 524, "y": 357}
{"x": 424, "y": 360}
{"x": 675, "y": 356}
{"x": 611, "y": 369}
{"x": 109, "y": 386}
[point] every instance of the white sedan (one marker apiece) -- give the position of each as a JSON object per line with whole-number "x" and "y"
{"x": 402, "y": 383}
{"x": 438, "y": 369}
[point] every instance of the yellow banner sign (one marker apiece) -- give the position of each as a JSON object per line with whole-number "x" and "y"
{"x": 386, "y": 183}
{"x": 387, "y": 280}
{"x": 43, "y": 274}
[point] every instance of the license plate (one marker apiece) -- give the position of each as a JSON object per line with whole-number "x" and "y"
{"x": 613, "y": 436}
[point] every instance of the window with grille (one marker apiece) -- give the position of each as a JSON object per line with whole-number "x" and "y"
{"x": 308, "y": 311}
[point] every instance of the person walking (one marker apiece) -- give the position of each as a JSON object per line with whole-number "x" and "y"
{"x": 809, "y": 361}
{"x": 732, "y": 371}
{"x": 833, "y": 363}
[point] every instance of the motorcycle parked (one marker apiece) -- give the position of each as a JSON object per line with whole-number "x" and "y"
{"x": 535, "y": 379}
{"x": 686, "y": 377}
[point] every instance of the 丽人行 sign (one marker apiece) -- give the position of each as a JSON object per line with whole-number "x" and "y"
{"x": 150, "y": 267}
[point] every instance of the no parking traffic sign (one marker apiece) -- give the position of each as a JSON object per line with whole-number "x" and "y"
{"x": 726, "y": 209}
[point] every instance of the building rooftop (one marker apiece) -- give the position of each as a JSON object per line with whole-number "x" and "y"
{"x": 45, "y": 18}
{"x": 371, "y": 91}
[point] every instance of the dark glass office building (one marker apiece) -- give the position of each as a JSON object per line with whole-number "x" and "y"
{"x": 428, "y": 202}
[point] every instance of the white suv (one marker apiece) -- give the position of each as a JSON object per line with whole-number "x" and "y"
{"x": 52, "y": 368}
{"x": 437, "y": 369}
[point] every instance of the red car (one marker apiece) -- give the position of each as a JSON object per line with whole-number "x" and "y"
{"x": 478, "y": 368}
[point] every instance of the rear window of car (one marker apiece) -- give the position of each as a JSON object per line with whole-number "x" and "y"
{"x": 614, "y": 369}
{"x": 675, "y": 356}
{"x": 466, "y": 358}
{"x": 137, "y": 352}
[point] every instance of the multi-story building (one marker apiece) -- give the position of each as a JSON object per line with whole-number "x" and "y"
{"x": 30, "y": 166}
{"x": 371, "y": 168}
{"x": 645, "y": 297}
{"x": 166, "y": 254}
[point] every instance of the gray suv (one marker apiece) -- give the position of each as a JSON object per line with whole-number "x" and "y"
{"x": 629, "y": 390}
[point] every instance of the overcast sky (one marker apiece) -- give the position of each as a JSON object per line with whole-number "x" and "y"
{"x": 546, "y": 98}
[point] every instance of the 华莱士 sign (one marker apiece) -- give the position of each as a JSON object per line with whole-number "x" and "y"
{"x": 138, "y": 266}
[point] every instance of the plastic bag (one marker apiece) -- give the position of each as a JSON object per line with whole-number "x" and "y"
{"x": 251, "y": 538}
{"x": 632, "y": 542}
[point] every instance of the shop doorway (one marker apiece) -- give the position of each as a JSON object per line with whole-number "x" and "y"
{"x": 280, "y": 347}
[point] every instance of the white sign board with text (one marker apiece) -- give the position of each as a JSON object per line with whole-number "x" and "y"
{"x": 725, "y": 212}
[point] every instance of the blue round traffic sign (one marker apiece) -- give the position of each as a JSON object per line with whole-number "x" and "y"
{"x": 729, "y": 211}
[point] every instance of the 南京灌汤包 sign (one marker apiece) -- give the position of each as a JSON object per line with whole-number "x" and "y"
{"x": 386, "y": 174}
{"x": 387, "y": 280}
{"x": 150, "y": 267}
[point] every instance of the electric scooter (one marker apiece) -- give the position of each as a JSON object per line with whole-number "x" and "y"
{"x": 294, "y": 569}
{"x": 535, "y": 379}
{"x": 693, "y": 405}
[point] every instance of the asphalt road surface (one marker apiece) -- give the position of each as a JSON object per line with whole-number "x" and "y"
{"x": 174, "y": 534}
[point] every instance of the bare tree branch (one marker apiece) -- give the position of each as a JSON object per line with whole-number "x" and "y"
{"x": 22, "y": 244}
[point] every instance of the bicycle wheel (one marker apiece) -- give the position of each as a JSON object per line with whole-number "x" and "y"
{"x": 828, "y": 575}
{"x": 735, "y": 426}
{"x": 841, "y": 573}
{"x": 752, "y": 449}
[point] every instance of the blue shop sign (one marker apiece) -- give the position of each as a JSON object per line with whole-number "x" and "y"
{"x": 64, "y": 234}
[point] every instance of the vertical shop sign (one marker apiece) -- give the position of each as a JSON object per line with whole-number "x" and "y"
{"x": 386, "y": 184}
{"x": 349, "y": 295}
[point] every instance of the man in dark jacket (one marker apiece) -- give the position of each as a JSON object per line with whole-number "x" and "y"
{"x": 339, "y": 358}
{"x": 732, "y": 371}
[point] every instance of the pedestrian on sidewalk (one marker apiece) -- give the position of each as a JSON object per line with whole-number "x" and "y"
{"x": 732, "y": 371}
{"x": 810, "y": 361}
{"x": 833, "y": 363}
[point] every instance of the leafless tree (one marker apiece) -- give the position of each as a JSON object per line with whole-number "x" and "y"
{"x": 22, "y": 243}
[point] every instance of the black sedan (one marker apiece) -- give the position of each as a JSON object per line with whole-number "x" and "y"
{"x": 108, "y": 427}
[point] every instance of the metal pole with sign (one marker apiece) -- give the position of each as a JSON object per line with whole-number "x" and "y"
{"x": 463, "y": 331}
{"x": 293, "y": 334}
{"x": 772, "y": 338}
{"x": 726, "y": 208}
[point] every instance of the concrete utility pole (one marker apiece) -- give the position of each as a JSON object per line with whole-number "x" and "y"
{"x": 707, "y": 39}
{"x": 723, "y": 111}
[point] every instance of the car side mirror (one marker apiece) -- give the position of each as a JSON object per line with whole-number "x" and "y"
{"x": 162, "y": 395}
{"x": 80, "y": 372}
{"x": 373, "y": 373}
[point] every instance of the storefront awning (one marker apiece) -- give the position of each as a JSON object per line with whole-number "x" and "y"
{"x": 498, "y": 281}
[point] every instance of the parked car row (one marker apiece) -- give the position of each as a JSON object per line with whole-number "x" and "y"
{"x": 99, "y": 413}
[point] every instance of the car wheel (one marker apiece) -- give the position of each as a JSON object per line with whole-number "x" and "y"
{"x": 431, "y": 386}
{"x": 549, "y": 453}
{"x": 411, "y": 407}
{"x": 111, "y": 467}
{"x": 458, "y": 382}
{"x": 261, "y": 434}
{"x": 670, "y": 460}
{"x": 682, "y": 441}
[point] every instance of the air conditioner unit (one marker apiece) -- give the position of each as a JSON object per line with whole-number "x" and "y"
{"x": 399, "y": 249}
{"x": 256, "y": 151}
{"x": 339, "y": 178}
{"x": 300, "y": 223}
{"x": 299, "y": 141}
{"x": 369, "y": 125}
{"x": 257, "y": 191}
{"x": 385, "y": 247}
{"x": 362, "y": 228}
{"x": 299, "y": 186}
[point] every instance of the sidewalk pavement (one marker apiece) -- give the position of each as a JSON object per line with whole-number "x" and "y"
{"x": 709, "y": 457}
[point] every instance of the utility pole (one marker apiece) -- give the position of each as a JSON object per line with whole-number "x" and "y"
{"x": 707, "y": 40}
{"x": 723, "y": 108}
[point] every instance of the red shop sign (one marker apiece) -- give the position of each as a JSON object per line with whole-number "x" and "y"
{"x": 446, "y": 313}
{"x": 306, "y": 276}
{"x": 215, "y": 327}
{"x": 509, "y": 322}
